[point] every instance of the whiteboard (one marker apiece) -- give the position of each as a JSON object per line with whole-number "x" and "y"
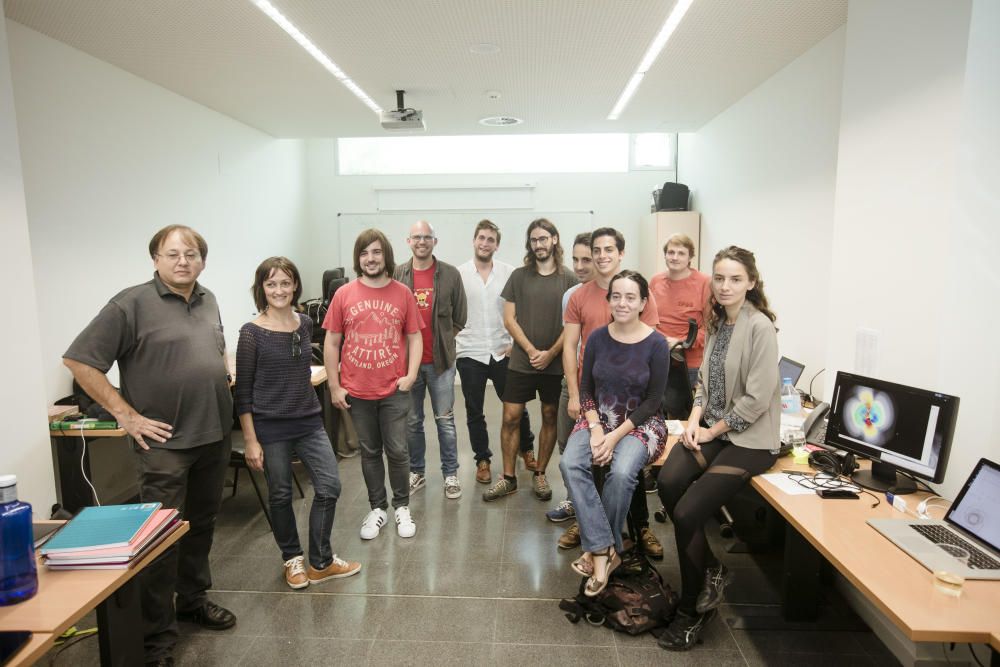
{"x": 454, "y": 232}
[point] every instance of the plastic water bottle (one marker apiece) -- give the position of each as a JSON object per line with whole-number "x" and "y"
{"x": 18, "y": 577}
{"x": 791, "y": 404}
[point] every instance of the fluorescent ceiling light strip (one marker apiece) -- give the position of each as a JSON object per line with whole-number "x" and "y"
{"x": 652, "y": 53}
{"x": 316, "y": 53}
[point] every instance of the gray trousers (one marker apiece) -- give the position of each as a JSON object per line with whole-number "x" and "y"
{"x": 191, "y": 481}
{"x": 381, "y": 427}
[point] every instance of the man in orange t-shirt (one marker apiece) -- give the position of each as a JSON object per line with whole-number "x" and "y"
{"x": 681, "y": 293}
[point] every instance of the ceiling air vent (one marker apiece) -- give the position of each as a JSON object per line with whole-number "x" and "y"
{"x": 500, "y": 121}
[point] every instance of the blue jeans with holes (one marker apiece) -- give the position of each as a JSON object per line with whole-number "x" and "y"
{"x": 315, "y": 451}
{"x": 442, "y": 391}
{"x": 601, "y": 517}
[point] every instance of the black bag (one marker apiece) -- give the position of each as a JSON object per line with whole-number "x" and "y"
{"x": 673, "y": 197}
{"x": 636, "y": 600}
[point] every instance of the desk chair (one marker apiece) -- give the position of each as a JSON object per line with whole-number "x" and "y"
{"x": 237, "y": 461}
{"x": 678, "y": 397}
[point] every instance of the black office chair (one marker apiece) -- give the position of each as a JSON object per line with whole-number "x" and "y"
{"x": 678, "y": 397}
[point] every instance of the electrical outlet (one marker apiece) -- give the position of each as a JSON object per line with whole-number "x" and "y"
{"x": 866, "y": 352}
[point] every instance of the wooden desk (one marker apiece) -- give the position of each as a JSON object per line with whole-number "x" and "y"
{"x": 896, "y": 584}
{"x": 65, "y": 596}
{"x": 32, "y": 652}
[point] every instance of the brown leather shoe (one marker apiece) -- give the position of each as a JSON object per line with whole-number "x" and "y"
{"x": 650, "y": 544}
{"x": 483, "y": 475}
{"x": 529, "y": 460}
{"x": 571, "y": 538}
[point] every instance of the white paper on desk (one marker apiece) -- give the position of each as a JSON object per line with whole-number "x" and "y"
{"x": 787, "y": 484}
{"x": 674, "y": 427}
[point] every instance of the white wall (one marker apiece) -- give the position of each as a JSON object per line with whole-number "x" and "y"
{"x": 915, "y": 231}
{"x": 108, "y": 159}
{"x": 22, "y": 394}
{"x": 617, "y": 200}
{"x": 762, "y": 174}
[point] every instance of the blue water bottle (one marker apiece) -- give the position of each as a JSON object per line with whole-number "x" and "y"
{"x": 18, "y": 576}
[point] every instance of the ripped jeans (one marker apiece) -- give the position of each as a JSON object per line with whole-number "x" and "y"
{"x": 442, "y": 390}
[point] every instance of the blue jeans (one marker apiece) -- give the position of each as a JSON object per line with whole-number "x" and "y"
{"x": 315, "y": 451}
{"x": 442, "y": 390}
{"x": 474, "y": 375}
{"x": 601, "y": 517}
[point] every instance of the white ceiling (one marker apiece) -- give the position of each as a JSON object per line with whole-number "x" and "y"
{"x": 561, "y": 67}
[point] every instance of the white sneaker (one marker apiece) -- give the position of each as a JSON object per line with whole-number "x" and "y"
{"x": 452, "y": 489}
{"x": 417, "y": 481}
{"x": 404, "y": 522}
{"x": 373, "y": 523}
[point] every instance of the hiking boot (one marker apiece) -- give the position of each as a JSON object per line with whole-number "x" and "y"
{"x": 502, "y": 487}
{"x": 571, "y": 538}
{"x": 541, "y": 488}
{"x": 529, "y": 460}
{"x": 373, "y": 523}
{"x": 295, "y": 573}
{"x": 337, "y": 569}
{"x": 417, "y": 481}
{"x": 682, "y": 633}
{"x": 483, "y": 475}
{"x": 562, "y": 512}
{"x": 452, "y": 489}
{"x": 713, "y": 592}
{"x": 404, "y": 522}
{"x": 650, "y": 545}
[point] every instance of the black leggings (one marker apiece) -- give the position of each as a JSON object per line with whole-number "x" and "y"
{"x": 693, "y": 490}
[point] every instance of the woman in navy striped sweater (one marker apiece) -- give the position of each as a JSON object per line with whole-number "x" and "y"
{"x": 281, "y": 416}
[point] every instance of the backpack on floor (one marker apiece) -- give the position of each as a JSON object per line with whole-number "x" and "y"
{"x": 636, "y": 600}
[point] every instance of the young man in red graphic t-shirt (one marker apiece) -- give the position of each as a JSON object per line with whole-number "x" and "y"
{"x": 376, "y": 320}
{"x": 441, "y": 303}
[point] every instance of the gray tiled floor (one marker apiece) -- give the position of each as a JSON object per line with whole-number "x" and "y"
{"x": 478, "y": 585}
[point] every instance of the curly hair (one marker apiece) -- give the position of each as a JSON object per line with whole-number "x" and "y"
{"x": 557, "y": 250}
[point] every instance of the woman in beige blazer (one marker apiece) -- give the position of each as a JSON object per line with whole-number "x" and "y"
{"x": 731, "y": 435}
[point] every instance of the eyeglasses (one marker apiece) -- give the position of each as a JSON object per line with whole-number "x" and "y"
{"x": 296, "y": 345}
{"x": 539, "y": 240}
{"x": 175, "y": 257}
{"x": 421, "y": 238}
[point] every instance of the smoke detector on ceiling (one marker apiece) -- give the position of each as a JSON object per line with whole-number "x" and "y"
{"x": 500, "y": 121}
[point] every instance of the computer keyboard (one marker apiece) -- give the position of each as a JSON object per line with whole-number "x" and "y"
{"x": 978, "y": 559}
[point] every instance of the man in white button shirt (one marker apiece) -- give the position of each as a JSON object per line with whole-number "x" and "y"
{"x": 483, "y": 346}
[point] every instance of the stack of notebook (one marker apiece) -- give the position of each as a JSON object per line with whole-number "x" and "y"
{"x": 112, "y": 537}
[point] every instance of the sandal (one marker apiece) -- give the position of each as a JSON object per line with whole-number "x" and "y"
{"x": 594, "y": 585}
{"x": 584, "y": 565}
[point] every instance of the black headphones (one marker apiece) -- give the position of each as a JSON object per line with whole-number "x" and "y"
{"x": 834, "y": 464}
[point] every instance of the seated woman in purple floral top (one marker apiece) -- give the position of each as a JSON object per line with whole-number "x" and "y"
{"x": 624, "y": 375}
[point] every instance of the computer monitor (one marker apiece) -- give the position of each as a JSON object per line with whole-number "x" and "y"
{"x": 900, "y": 428}
{"x": 789, "y": 368}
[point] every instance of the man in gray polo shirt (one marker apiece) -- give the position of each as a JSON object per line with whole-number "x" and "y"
{"x": 166, "y": 336}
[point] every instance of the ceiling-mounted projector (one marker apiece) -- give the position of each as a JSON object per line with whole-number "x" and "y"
{"x": 402, "y": 118}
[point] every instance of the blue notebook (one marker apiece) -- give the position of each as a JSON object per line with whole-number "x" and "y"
{"x": 101, "y": 527}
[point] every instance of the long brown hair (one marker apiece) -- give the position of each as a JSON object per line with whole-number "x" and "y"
{"x": 755, "y": 296}
{"x": 557, "y": 250}
{"x": 365, "y": 239}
